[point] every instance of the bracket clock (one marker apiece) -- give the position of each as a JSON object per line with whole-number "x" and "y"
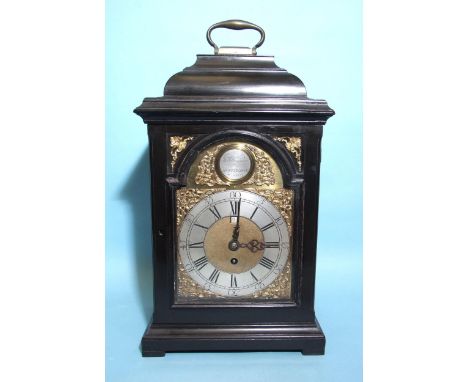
{"x": 235, "y": 156}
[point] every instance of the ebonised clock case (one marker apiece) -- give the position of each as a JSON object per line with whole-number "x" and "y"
{"x": 244, "y": 98}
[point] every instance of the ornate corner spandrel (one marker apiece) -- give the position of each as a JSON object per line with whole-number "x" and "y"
{"x": 282, "y": 199}
{"x": 188, "y": 197}
{"x": 294, "y": 146}
{"x": 178, "y": 144}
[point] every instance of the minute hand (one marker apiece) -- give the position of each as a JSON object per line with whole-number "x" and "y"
{"x": 235, "y": 233}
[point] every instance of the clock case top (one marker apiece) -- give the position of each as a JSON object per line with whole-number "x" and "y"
{"x": 223, "y": 86}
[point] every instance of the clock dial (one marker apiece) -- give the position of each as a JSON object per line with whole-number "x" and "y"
{"x": 234, "y": 243}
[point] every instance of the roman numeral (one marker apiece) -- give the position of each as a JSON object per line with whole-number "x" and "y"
{"x": 214, "y": 276}
{"x": 268, "y": 226}
{"x": 253, "y": 213}
{"x": 253, "y": 276}
{"x": 267, "y": 263}
{"x": 196, "y": 245}
{"x": 201, "y": 226}
{"x": 201, "y": 262}
{"x": 272, "y": 244}
{"x": 215, "y": 212}
{"x": 235, "y": 205}
{"x": 233, "y": 281}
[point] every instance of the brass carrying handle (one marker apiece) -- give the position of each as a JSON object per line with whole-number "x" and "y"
{"x": 236, "y": 25}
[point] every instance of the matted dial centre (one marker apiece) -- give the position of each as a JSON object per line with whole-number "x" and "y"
{"x": 217, "y": 245}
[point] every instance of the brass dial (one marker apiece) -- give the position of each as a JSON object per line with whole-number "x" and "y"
{"x": 234, "y": 243}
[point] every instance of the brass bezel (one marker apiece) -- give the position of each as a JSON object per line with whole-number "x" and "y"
{"x": 235, "y": 146}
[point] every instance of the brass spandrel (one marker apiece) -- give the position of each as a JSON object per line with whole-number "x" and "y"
{"x": 294, "y": 146}
{"x": 178, "y": 144}
{"x": 188, "y": 197}
{"x": 282, "y": 199}
{"x": 280, "y": 288}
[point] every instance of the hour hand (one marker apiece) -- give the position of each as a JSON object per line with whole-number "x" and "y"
{"x": 253, "y": 245}
{"x": 235, "y": 234}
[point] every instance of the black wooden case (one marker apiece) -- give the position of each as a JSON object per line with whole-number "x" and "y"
{"x": 221, "y": 98}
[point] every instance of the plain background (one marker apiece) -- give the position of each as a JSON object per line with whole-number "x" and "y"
{"x": 52, "y": 204}
{"x": 146, "y": 43}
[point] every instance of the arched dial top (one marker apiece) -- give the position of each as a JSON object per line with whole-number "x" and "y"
{"x": 234, "y": 163}
{"x": 233, "y": 243}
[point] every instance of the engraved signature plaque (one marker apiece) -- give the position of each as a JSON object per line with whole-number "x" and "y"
{"x": 235, "y": 163}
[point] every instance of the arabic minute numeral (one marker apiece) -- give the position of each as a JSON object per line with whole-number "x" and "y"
{"x": 259, "y": 286}
{"x": 189, "y": 268}
{"x": 277, "y": 269}
{"x": 208, "y": 200}
{"x": 189, "y": 218}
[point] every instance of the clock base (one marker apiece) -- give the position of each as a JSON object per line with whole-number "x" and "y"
{"x": 307, "y": 338}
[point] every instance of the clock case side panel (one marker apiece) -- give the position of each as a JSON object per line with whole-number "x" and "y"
{"x": 312, "y": 158}
{"x": 161, "y": 219}
{"x": 164, "y": 184}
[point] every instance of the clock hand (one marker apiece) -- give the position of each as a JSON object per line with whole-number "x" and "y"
{"x": 235, "y": 234}
{"x": 233, "y": 245}
{"x": 253, "y": 245}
